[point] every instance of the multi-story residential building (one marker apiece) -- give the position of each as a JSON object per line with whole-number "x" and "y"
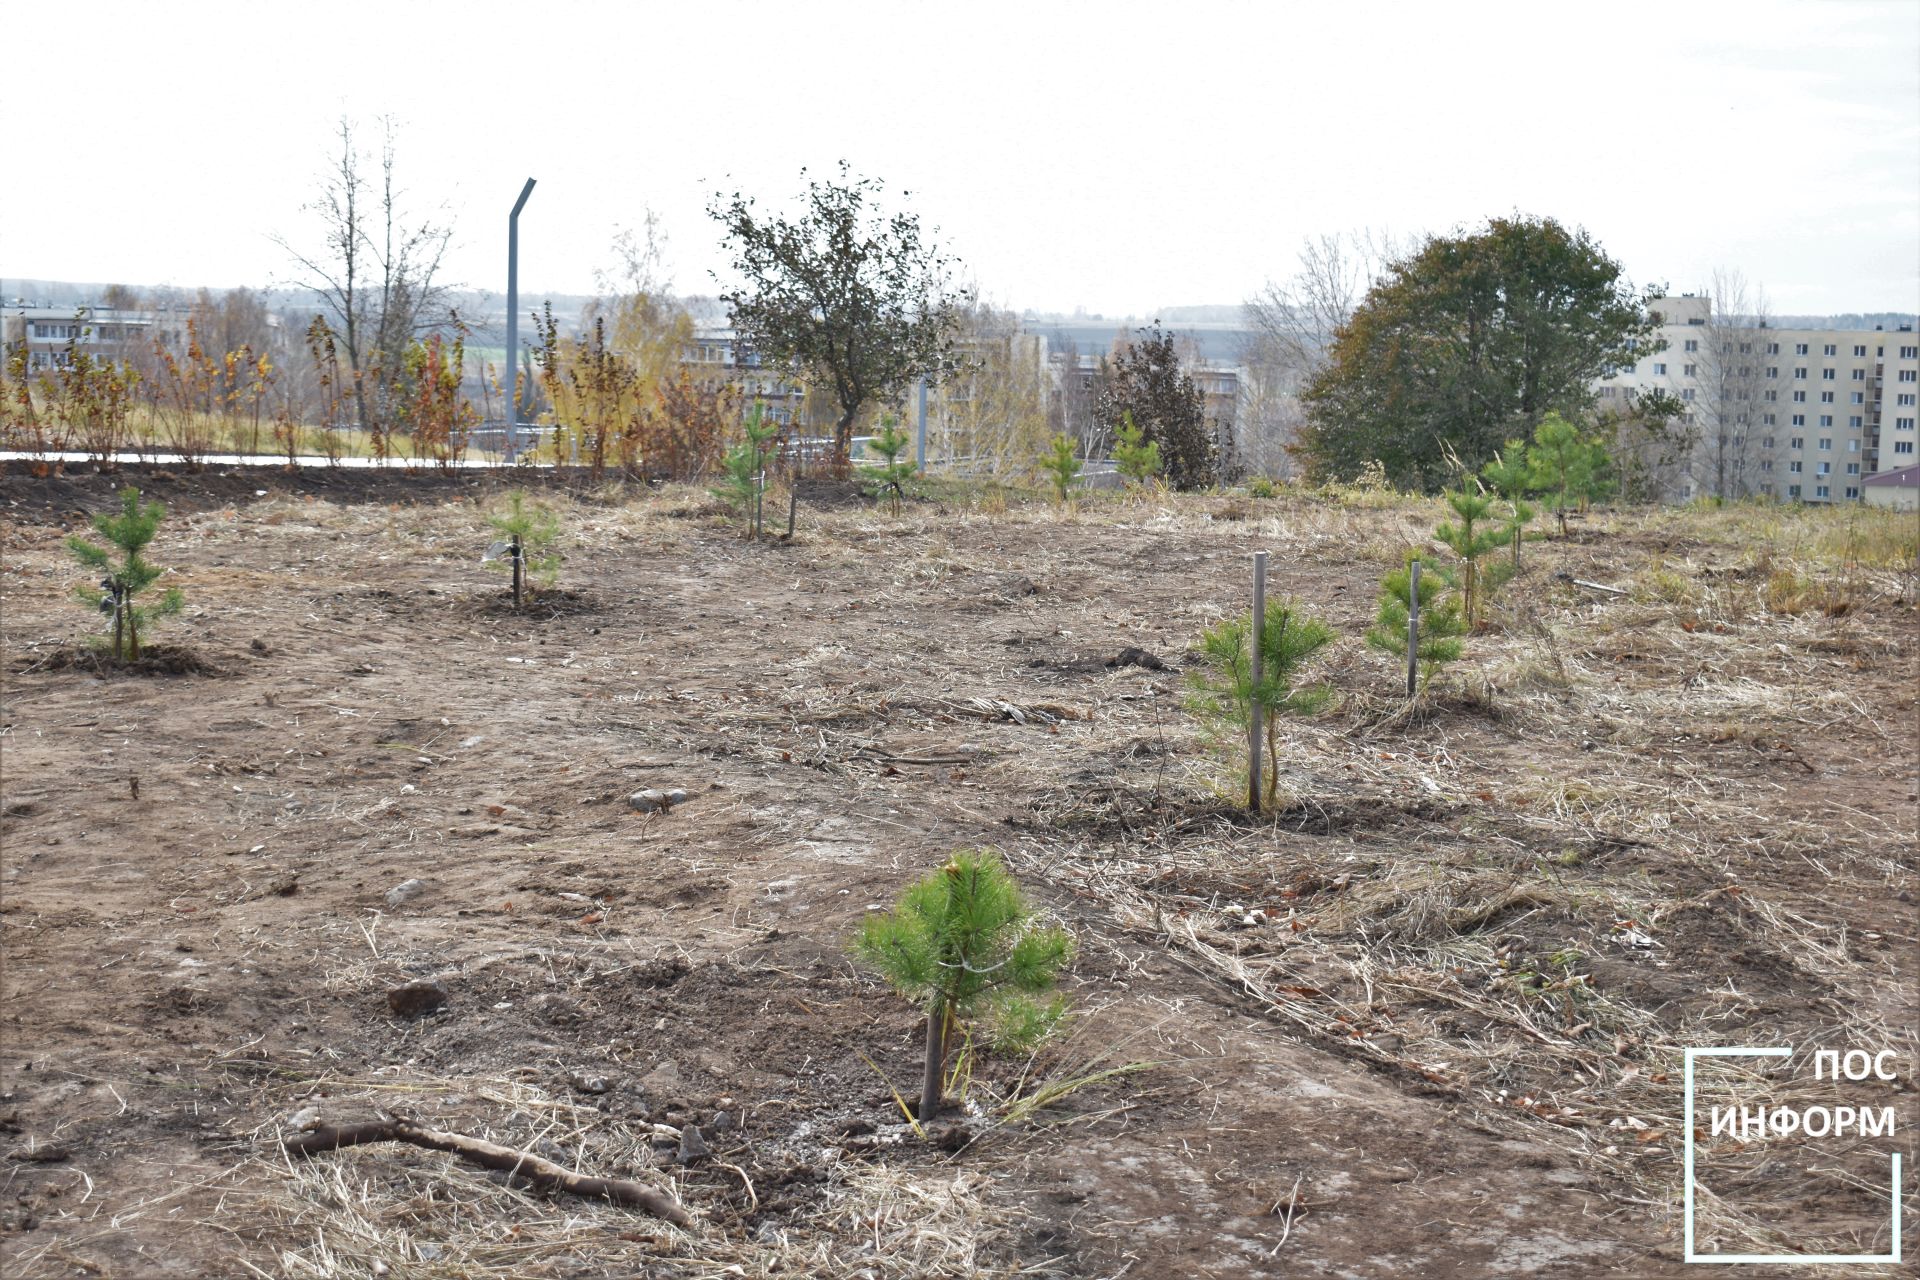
{"x": 1804, "y": 415}
{"x": 105, "y": 333}
{"x": 716, "y": 355}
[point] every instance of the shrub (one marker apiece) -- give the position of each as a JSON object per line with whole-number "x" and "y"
{"x": 532, "y": 530}
{"x": 129, "y": 532}
{"x": 1061, "y": 466}
{"x": 1221, "y": 690}
{"x": 1261, "y": 487}
{"x": 1441, "y": 623}
{"x": 961, "y": 941}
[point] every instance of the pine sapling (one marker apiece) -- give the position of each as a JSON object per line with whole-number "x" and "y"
{"x": 1441, "y": 624}
{"x": 1512, "y": 478}
{"x": 129, "y": 532}
{"x": 1137, "y": 457}
{"x": 531, "y": 531}
{"x": 744, "y": 467}
{"x": 1567, "y": 468}
{"x": 1221, "y": 691}
{"x": 962, "y": 943}
{"x": 1471, "y": 540}
{"x": 890, "y": 442}
{"x": 1061, "y": 465}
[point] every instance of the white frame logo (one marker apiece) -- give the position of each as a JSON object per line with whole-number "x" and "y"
{"x": 1891, "y": 1256}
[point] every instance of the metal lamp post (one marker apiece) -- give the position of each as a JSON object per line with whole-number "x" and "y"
{"x": 513, "y": 322}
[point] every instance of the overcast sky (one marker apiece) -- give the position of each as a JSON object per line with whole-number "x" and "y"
{"x": 1116, "y": 156}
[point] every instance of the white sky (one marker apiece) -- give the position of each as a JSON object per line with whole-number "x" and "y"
{"x": 1117, "y": 156}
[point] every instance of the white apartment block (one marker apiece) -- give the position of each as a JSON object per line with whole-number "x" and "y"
{"x": 1803, "y": 415}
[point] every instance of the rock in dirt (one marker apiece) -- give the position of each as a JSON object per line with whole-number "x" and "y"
{"x": 50, "y": 1153}
{"x": 411, "y": 999}
{"x": 587, "y": 1082}
{"x": 693, "y": 1145}
{"x": 656, "y": 800}
{"x": 404, "y": 892}
{"x": 723, "y": 1121}
{"x": 664, "y": 1078}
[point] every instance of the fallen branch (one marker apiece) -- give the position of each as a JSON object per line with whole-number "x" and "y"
{"x": 488, "y": 1155}
{"x": 1592, "y": 586}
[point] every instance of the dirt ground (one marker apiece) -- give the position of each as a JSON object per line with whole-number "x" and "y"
{"x": 1427, "y": 1020}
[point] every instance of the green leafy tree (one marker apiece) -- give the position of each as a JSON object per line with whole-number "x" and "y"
{"x": 128, "y": 532}
{"x": 1442, "y": 626}
{"x": 962, "y": 943}
{"x": 531, "y": 531}
{"x": 745, "y": 464}
{"x": 1062, "y": 466}
{"x": 1511, "y": 476}
{"x": 1148, "y": 385}
{"x": 1471, "y": 338}
{"x": 1472, "y": 539}
{"x": 1570, "y": 469}
{"x": 1221, "y": 690}
{"x": 855, "y": 297}
{"x": 890, "y": 442}
{"x": 1137, "y": 457}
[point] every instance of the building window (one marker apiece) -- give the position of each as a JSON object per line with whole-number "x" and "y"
{"x": 1858, "y": 352}
{"x": 1793, "y": 491}
{"x": 1858, "y": 397}
{"x": 1826, "y": 419}
{"x": 1852, "y": 492}
{"x": 1826, "y": 397}
{"x": 1903, "y": 424}
{"x": 1907, "y": 375}
{"x": 1853, "y": 468}
{"x": 1799, "y": 348}
{"x": 1903, "y": 446}
{"x": 1820, "y": 491}
{"x": 1797, "y": 442}
{"x": 1687, "y": 370}
{"x": 1830, "y": 350}
{"x": 1659, "y": 367}
{"x": 1771, "y": 396}
{"x": 1687, "y": 393}
{"x": 1826, "y": 442}
{"x": 1768, "y": 442}
{"x": 1905, "y": 398}
{"x": 1853, "y": 421}
{"x": 1766, "y": 464}
{"x": 1799, "y": 397}
{"x": 1827, "y": 375}
{"x": 1823, "y": 468}
{"x": 1908, "y": 353}
{"x": 1773, "y": 348}
{"x": 1859, "y": 375}
{"x": 1799, "y": 420}
{"x": 1794, "y": 466}
{"x": 1800, "y": 374}
{"x": 1853, "y": 446}
{"x": 1773, "y": 371}
{"x": 1693, "y": 344}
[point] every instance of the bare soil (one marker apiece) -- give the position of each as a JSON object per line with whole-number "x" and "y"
{"x": 1426, "y": 1020}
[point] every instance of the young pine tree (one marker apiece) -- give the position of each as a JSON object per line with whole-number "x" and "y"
{"x": 1441, "y": 624}
{"x": 1137, "y": 457}
{"x": 1512, "y": 478}
{"x": 129, "y": 532}
{"x": 1061, "y": 465}
{"x": 890, "y": 442}
{"x": 1221, "y": 691}
{"x": 1471, "y": 540}
{"x": 961, "y": 942}
{"x": 744, "y": 464}
{"x": 1570, "y": 470}
{"x": 531, "y": 530}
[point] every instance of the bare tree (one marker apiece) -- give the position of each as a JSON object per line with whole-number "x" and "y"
{"x": 1724, "y": 388}
{"x": 1293, "y": 323}
{"x": 377, "y": 272}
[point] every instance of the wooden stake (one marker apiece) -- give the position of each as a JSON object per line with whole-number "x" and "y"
{"x": 1253, "y": 688}
{"x": 793, "y": 506}
{"x": 513, "y": 549}
{"x": 1413, "y": 629}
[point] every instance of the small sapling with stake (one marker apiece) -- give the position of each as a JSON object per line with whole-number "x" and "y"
{"x": 527, "y": 551}
{"x": 1062, "y": 466}
{"x": 744, "y": 469}
{"x": 1230, "y": 693}
{"x": 890, "y": 442}
{"x": 1430, "y": 620}
{"x": 962, "y": 942}
{"x": 129, "y": 532}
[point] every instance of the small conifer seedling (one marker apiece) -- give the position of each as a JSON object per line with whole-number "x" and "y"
{"x": 962, "y": 943}
{"x": 890, "y": 442}
{"x": 1472, "y": 539}
{"x": 128, "y": 532}
{"x": 1569, "y": 470}
{"x": 744, "y": 467}
{"x": 1061, "y": 465}
{"x": 1137, "y": 457}
{"x": 1441, "y": 624}
{"x": 1221, "y": 691}
{"x": 528, "y": 551}
{"x": 1512, "y": 478}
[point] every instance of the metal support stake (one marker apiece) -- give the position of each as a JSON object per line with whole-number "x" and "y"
{"x": 920, "y": 432}
{"x": 513, "y": 550}
{"x": 1413, "y": 628}
{"x": 1253, "y": 689}
{"x": 759, "y": 502}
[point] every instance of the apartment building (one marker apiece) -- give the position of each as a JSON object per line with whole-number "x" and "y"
{"x": 1803, "y": 415}
{"x": 106, "y": 333}
{"x": 716, "y": 355}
